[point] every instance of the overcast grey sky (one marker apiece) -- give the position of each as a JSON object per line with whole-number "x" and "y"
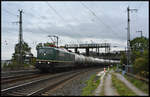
{"x": 73, "y": 22}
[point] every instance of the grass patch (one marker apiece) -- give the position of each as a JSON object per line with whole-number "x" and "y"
{"x": 139, "y": 84}
{"x": 91, "y": 85}
{"x": 121, "y": 88}
{"x": 114, "y": 68}
{"x": 102, "y": 92}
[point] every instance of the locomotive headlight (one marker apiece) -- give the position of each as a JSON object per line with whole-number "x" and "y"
{"x": 39, "y": 61}
{"x": 48, "y": 62}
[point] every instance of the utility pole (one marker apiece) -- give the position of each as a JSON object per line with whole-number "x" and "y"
{"x": 20, "y": 37}
{"x": 128, "y": 37}
{"x": 141, "y": 33}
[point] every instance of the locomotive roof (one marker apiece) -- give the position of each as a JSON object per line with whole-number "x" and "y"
{"x": 60, "y": 49}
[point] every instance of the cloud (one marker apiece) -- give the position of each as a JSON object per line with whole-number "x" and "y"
{"x": 79, "y": 24}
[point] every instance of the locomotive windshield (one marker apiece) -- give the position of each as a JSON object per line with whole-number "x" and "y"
{"x": 44, "y": 53}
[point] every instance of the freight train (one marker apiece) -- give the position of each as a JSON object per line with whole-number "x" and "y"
{"x": 50, "y": 58}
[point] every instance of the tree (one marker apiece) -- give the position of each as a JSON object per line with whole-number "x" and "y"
{"x": 25, "y": 50}
{"x": 139, "y": 44}
{"x": 140, "y": 56}
{"x": 141, "y": 66}
{"x": 123, "y": 58}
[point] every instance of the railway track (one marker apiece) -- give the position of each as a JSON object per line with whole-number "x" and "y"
{"x": 17, "y": 73}
{"x": 40, "y": 86}
{"x": 11, "y": 79}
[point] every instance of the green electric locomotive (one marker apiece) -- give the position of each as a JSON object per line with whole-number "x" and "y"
{"x": 50, "y": 58}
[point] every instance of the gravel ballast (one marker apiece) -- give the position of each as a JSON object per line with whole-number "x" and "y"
{"x": 74, "y": 87}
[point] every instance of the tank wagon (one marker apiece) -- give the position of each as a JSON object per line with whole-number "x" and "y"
{"x": 50, "y": 58}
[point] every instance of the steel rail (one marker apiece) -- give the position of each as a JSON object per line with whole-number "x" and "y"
{"x": 18, "y": 78}
{"x": 21, "y": 86}
{"x": 42, "y": 90}
{"x": 20, "y": 71}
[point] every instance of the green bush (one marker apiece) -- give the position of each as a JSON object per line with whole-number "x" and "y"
{"x": 140, "y": 67}
{"x": 123, "y": 58}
